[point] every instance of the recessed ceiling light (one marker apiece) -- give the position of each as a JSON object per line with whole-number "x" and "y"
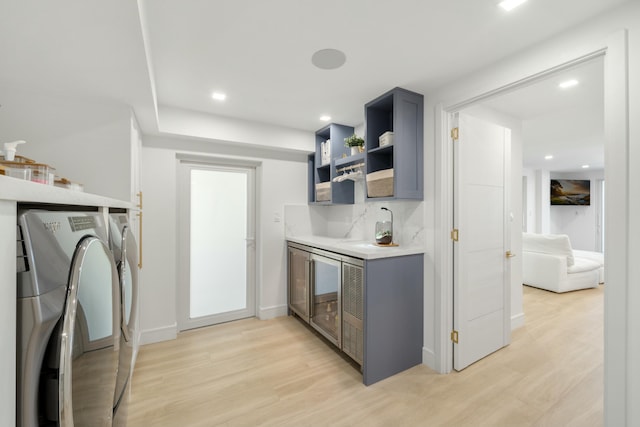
{"x": 548, "y": 157}
{"x": 585, "y": 166}
{"x": 568, "y": 84}
{"x": 219, "y": 96}
{"x": 325, "y": 118}
{"x": 329, "y": 59}
{"x": 510, "y": 4}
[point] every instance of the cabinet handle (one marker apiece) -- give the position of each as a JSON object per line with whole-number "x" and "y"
{"x": 312, "y": 285}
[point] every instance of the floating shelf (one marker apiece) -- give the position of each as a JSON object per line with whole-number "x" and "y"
{"x": 356, "y": 158}
{"x": 384, "y": 149}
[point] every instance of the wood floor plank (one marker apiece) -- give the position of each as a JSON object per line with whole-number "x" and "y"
{"x": 278, "y": 373}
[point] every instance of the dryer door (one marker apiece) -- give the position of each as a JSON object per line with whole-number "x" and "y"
{"x": 88, "y": 359}
{"x": 128, "y": 277}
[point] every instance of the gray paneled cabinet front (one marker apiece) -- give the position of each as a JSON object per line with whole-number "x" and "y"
{"x": 379, "y": 307}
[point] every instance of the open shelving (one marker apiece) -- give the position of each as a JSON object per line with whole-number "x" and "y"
{"x": 402, "y": 112}
{"x": 399, "y": 111}
{"x": 339, "y": 192}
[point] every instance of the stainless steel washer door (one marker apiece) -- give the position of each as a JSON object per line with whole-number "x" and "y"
{"x": 88, "y": 357}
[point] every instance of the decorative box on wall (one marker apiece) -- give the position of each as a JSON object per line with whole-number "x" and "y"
{"x": 322, "y": 166}
{"x": 394, "y": 128}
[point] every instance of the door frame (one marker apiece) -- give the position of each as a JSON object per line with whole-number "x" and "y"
{"x": 615, "y": 52}
{"x": 182, "y": 242}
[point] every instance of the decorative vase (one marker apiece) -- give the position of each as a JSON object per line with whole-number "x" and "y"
{"x": 360, "y": 148}
{"x": 384, "y": 233}
{"x": 354, "y": 150}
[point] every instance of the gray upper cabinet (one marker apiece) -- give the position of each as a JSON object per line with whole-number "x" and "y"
{"x": 395, "y": 170}
{"x": 322, "y": 189}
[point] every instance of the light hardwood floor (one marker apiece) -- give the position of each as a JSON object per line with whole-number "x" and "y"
{"x": 278, "y": 373}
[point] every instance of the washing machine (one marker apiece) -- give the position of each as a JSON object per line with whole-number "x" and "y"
{"x": 67, "y": 320}
{"x": 125, "y": 252}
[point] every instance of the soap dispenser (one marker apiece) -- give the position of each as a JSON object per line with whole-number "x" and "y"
{"x": 10, "y": 150}
{"x": 384, "y": 231}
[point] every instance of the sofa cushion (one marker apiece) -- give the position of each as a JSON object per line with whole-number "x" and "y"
{"x": 590, "y": 255}
{"x": 554, "y": 244}
{"x": 581, "y": 265}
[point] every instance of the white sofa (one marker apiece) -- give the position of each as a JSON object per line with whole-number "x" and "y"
{"x": 549, "y": 262}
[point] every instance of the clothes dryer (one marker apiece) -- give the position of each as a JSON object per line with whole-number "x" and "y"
{"x": 125, "y": 252}
{"x": 67, "y": 320}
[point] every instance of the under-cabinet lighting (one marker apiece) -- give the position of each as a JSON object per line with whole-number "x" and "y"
{"x": 548, "y": 157}
{"x": 219, "y": 96}
{"x": 510, "y": 4}
{"x": 585, "y": 166}
{"x": 568, "y": 84}
{"x": 325, "y": 118}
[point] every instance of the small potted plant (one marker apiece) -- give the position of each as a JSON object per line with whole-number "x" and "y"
{"x": 355, "y": 143}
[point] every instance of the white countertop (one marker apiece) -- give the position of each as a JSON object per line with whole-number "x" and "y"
{"x": 356, "y": 248}
{"x": 20, "y": 190}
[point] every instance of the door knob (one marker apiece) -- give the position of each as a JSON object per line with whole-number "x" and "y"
{"x": 510, "y": 254}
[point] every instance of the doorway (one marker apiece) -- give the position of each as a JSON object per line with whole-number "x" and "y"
{"x": 617, "y": 382}
{"x": 515, "y": 110}
{"x": 217, "y": 243}
{"x": 446, "y": 157}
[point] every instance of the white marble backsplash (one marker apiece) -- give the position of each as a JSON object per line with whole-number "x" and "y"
{"x": 357, "y": 221}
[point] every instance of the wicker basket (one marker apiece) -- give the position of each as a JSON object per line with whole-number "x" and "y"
{"x": 380, "y": 183}
{"x": 323, "y": 192}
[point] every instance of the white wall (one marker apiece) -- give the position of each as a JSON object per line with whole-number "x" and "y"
{"x": 281, "y": 181}
{"x": 86, "y": 141}
{"x": 580, "y": 223}
{"x": 8, "y": 295}
{"x": 177, "y": 121}
{"x": 531, "y": 200}
{"x": 622, "y": 377}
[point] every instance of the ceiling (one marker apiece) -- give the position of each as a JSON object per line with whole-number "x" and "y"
{"x": 567, "y": 124}
{"x": 175, "y": 53}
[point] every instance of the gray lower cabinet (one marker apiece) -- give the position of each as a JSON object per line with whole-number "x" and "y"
{"x": 370, "y": 309}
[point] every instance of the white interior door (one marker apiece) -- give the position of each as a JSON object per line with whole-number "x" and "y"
{"x": 217, "y": 244}
{"x": 482, "y": 320}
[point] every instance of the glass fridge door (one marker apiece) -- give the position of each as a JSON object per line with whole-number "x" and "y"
{"x": 326, "y": 305}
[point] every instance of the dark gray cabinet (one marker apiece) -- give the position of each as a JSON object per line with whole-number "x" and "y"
{"x": 322, "y": 189}
{"x": 380, "y": 307}
{"x": 393, "y": 316}
{"x": 402, "y": 112}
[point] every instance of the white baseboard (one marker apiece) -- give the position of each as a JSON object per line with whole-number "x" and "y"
{"x": 165, "y": 333}
{"x": 517, "y": 321}
{"x": 429, "y": 358}
{"x": 266, "y": 313}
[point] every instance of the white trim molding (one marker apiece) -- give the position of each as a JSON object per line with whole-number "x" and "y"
{"x": 517, "y": 321}
{"x": 266, "y": 313}
{"x": 165, "y": 333}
